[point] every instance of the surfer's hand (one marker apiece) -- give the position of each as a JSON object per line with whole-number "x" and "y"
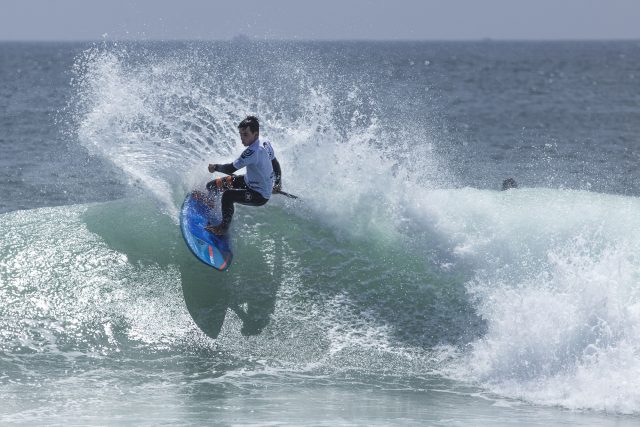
{"x": 213, "y": 168}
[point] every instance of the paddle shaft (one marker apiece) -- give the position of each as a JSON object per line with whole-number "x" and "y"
{"x": 284, "y": 193}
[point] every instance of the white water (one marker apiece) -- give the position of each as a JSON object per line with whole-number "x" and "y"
{"x": 557, "y": 279}
{"x": 554, "y": 274}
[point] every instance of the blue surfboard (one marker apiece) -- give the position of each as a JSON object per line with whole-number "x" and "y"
{"x": 195, "y": 214}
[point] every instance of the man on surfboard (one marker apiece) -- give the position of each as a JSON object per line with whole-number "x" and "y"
{"x": 262, "y": 178}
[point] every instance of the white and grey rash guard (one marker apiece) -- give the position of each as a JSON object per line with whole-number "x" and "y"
{"x": 263, "y": 169}
{"x": 257, "y": 158}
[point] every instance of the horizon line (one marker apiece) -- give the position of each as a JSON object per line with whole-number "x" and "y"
{"x": 247, "y": 39}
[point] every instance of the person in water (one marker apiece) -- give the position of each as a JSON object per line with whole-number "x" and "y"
{"x": 509, "y": 183}
{"x": 263, "y": 176}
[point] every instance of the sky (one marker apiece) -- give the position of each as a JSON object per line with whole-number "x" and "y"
{"x": 320, "y": 20}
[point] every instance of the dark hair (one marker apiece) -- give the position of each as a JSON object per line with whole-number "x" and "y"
{"x": 250, "y": 122}
{"x": 509, "y": 183}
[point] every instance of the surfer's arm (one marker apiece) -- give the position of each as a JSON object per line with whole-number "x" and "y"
{"x": 226, "y": 168}
{"x": 277, "y": 174}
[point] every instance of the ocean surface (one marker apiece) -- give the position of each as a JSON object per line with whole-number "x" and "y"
{"x": 402, "y": 288}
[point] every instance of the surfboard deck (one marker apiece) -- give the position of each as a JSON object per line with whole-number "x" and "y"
{"x": 195, "y": 214}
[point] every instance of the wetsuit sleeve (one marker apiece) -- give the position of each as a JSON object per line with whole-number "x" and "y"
{"x": 227, "y": 168}
{"x": 277, "y": 172}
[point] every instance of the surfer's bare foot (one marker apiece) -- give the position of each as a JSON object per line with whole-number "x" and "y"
{"x": 215, "y": 229}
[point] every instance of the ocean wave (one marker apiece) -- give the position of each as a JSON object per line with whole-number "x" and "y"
{"x": 532, "y": 293}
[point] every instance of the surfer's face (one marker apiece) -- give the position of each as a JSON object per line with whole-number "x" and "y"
{"x": 247, "y": 137}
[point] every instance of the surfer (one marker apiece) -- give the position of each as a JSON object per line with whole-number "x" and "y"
{"x": 263, "y": 176}
{"x": 509, "y": 183}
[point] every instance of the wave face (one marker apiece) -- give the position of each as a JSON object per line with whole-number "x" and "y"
{"x": 385, "y": 271}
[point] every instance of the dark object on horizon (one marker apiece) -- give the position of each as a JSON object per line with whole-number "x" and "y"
{"x": 509, "y": 183}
